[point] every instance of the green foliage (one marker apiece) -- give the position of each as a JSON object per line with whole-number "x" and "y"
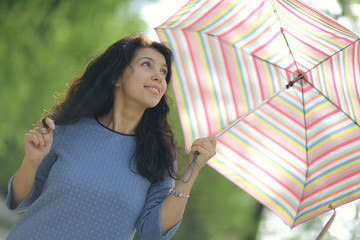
{"x": 43, "y": 45}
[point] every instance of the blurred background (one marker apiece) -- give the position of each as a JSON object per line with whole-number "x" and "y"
{"x": 44, "y": 43}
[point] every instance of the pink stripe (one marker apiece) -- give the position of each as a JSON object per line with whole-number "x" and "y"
{"x": 206, "y": 94}
{"x": 354, "y": 73}
{"x": 332, "y": 161}
{"x": 334, "y": 148}
{"x": 332, "y": 176}
{"x": 342, "y": 84}
{"x": 331, "y": 22}
{"x": 198, "y": 83}
{"x": 204, "y": 15}
{"x": 327, "y": 128}
{"x": 313, "y": 98}
{"x": 279, "y": 140}
{"x": 272, "y": 150}
{"x": 254, "y": 52}
{"x": 327, "y": 46}
{"x": 317, "y": 213}
{"x": 267, "y": 84}
{"x": 311, "y": 46}
{"x": 327, "y": 186}
{"x": 247, "y": 68}
{"x": 273, "y": 176}
{"x": 192, "y": 15}
{"x": 283, "y": 124}
{"x": 236, "y": 81}
{"x": 177, "y": 93}
{"x": 229, "y": 77}
{"x": 322, "y": 117}
{"x": 291, "y": 117}
{"x": 317, "y": 75}
{"x": 334, "y": 87}
{"x": 260, "y": 84}
{"x": 260, "y": 35}
{"x": 227, "y": 116}
{"x": 328, "y": 197}
{"x": 314, "y": 25}
{"x": 293, "y": 97}
{"x": 275, "y": 153}
{"x": 254, "y": 194}
{"x": 307, "y": 88}
{"x": 228, "y": 19}
{"x": 242, "y": 22}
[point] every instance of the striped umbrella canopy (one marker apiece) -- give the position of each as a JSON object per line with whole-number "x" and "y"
{"x": 278, "y": 82}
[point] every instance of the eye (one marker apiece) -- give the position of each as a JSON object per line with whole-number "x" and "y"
{"x": 146, "y": 64}
{"x": 163, "y": 72}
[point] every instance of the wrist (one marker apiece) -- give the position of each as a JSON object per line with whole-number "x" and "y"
{"x": 178, "y": 194}
{"x": 30, "y": 164}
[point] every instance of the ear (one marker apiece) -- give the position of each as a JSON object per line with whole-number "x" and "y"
{"x": 117, "y": 83}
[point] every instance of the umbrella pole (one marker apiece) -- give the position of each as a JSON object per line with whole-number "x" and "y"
{"x": 290, "y": 84}
{"x": 192, "y": 164}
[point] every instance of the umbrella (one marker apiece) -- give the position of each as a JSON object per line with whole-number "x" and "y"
{"x": 278, "y": 82}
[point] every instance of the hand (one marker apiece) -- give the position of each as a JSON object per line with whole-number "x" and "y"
{"x": 38, "y": 142}
{"x": 206, "y": 147}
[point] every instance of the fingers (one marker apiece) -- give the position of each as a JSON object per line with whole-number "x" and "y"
{"x": 48, "y": 123}
{"x": 38, "y": 136}
{"x": 205, "y": 146}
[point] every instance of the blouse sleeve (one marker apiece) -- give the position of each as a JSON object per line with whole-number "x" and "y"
{"x": 40, "y": 178}
{"x": 149, "y": 223}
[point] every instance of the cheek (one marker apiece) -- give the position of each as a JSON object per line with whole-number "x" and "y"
{"x": 164, "y": 87}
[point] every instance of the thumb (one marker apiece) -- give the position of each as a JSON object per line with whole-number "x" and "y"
{"x": 48, "y": 123}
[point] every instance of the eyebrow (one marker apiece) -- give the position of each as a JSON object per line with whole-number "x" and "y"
{"x": 149, "y": 58}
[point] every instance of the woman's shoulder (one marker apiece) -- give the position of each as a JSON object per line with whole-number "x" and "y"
{"x": 63, "y": 129}
{"x": 83, "y": 122}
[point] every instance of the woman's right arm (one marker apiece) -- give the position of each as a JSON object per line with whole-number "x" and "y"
{"x": 38, "y": 143}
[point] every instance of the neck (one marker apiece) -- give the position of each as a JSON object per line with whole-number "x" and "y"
{"x": 121, "y": 121}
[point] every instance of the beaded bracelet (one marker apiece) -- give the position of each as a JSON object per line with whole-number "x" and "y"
{"x": 172, "y": 191}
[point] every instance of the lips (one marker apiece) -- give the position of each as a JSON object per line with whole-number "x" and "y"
{"x": 153, "y": 88}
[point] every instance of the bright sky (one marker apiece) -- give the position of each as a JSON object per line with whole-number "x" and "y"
{"x": 156, "y": 14}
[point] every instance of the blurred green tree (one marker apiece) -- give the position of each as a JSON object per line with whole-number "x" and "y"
{"x": 43, "y": 44}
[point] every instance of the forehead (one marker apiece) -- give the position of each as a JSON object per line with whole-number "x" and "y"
{"x": 149, "y": 53}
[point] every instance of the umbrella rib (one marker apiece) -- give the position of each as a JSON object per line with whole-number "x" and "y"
{"x": 283, "y": 34}
{"x": 291, "y": 83}
{"x": 306, "y": 147}
{"x": 330, "y": 101}
{"x": 332, "y": 55}
{"x": 261, "y": 59}
{"x": 327, "y": 98}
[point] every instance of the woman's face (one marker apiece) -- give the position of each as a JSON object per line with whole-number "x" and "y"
{"x": 143, "y": 82}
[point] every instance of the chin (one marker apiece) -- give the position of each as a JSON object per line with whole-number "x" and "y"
{"x": 152, "y": 104}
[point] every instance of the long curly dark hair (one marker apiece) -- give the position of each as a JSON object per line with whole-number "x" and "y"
{"x": 92, "y": 94}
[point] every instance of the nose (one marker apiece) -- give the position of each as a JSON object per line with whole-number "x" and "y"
{"x": 158, "y": 76}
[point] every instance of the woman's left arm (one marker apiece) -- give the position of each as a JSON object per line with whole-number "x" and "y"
{"x": 173, "y": 207}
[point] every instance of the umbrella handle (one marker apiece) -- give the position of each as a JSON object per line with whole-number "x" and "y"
{"x": 192, "y": 170}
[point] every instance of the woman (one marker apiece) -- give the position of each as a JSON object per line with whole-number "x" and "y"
{"x": 109, "y": 167}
